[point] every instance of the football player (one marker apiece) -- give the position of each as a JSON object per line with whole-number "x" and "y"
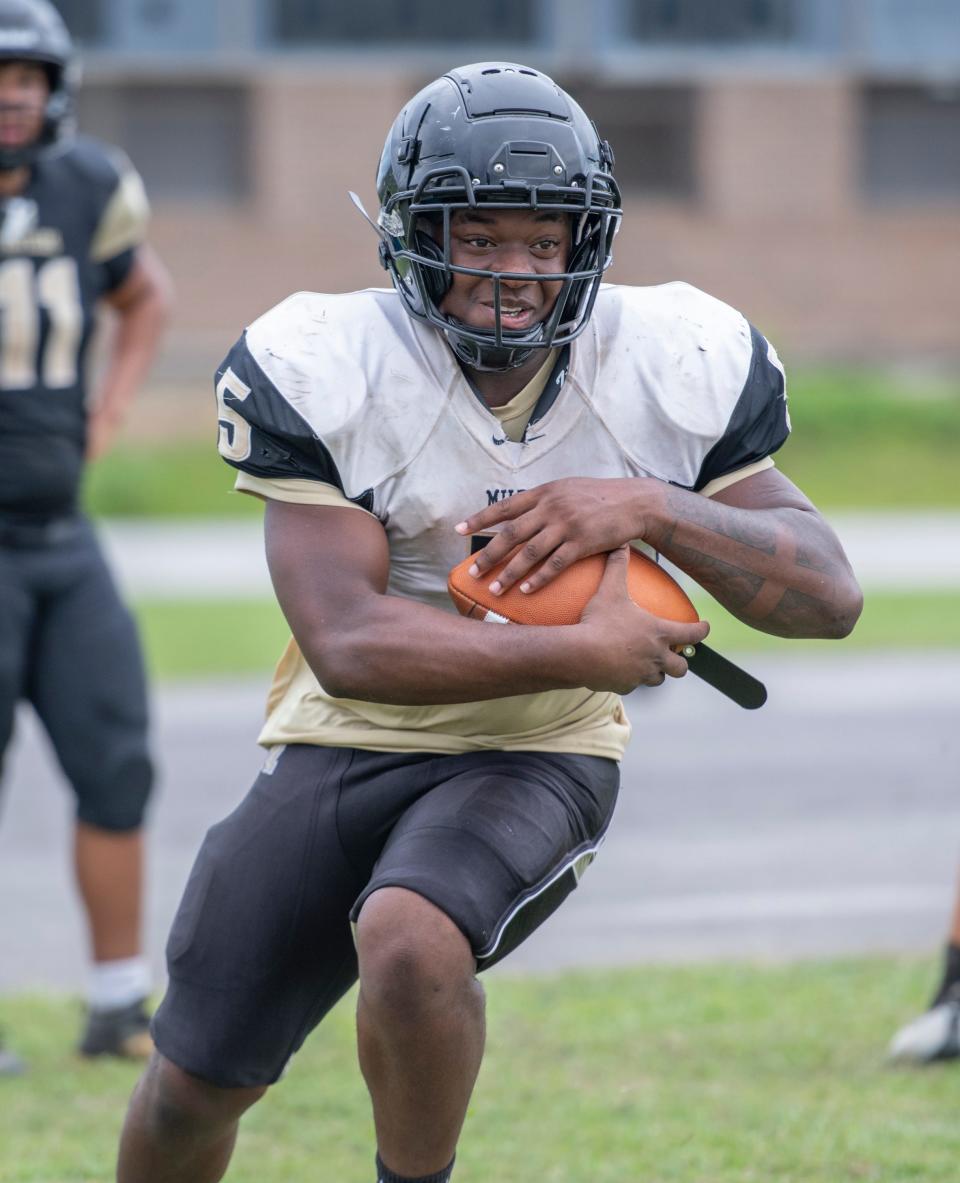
{"x": 435, "y": 786}
{"x": 72, "y": 223}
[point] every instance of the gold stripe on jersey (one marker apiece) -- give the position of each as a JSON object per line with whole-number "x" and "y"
{"x": 124, "y": 221}
{"x": 295, "y": 490}
{"x": 731, "y": 478}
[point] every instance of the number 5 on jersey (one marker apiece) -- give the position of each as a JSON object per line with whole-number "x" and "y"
{"x": 234, "y": 437}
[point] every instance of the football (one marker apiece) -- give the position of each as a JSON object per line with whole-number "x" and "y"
{"x": 563, "y": 600}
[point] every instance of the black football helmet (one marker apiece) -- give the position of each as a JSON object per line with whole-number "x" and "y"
{"x": 501, "y": 135}
{"x": 32, "y": 31}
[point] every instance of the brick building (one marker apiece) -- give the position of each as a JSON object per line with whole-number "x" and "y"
{"x": 798, "y": 158}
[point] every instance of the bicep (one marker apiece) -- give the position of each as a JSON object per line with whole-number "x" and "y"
{"x": 325, "y": 562}
{"x": 768, "y": 489}
{"x": 147, "y": 277}
{"x": 812, "y": 536}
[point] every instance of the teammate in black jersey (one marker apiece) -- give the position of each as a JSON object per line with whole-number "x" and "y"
{"x": 72, "y": 221}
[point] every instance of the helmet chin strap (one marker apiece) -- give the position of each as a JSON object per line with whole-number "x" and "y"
{"x": 492, "y": 358}
{"x": 19, "y": 155}
{"x": 12, "y": 159}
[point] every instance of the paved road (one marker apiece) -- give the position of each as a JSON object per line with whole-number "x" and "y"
{"x": 214, "y": 559}
{"x": 829, "y": 822}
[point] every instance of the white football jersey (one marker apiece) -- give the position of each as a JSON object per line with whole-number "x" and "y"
{"x": 348, "y": 391}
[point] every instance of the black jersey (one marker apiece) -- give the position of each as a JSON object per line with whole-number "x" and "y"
{"x": 68, "y": 239}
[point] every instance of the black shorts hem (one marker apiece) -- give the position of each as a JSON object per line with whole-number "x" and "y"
{"x": 183, "y": 1054}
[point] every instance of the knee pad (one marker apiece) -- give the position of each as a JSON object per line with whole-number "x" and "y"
{"x": 115, "y": 795}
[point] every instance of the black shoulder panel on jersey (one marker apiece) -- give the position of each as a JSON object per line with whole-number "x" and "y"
{"x": 282, "y": 444}
{"x": 759, "y": 424}
{"x": 554, "y": 384}
{"x": 74, "y": 188}
{"x": 90, "y": 163}
{"x": 118, "y": 268}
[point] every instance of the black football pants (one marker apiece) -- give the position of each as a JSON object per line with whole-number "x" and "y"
{"x": 69, "y": 647}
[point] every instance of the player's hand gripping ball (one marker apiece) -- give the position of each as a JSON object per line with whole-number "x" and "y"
{"x": 563, "y": 600}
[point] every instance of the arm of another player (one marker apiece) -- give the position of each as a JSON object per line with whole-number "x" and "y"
{"x": 142, "y": 304}
{"x": 329, "y": 567}
{"x": 759, "y": 546}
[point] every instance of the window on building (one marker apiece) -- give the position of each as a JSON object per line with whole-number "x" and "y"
{"x": 651, "y": 131}
{"x": 707, "y": 22}
{"x": 911, "y": 143}
{"x": 84, "y": 19}
{"x": 189, "y": 141}
{"x": 890, "y": 31}
{"x": 417, "y": 22}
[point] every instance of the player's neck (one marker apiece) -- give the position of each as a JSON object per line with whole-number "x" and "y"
{"x": 13, "y": 181}
{"x": 497, "y": 387}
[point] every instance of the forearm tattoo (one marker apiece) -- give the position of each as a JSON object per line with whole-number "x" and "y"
{"x": 780, "y": 570}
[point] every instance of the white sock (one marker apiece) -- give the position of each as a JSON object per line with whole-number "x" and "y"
{"x": 113, "y": 984}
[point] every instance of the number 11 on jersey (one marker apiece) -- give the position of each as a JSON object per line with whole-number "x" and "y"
{"x": 55, "y": 288}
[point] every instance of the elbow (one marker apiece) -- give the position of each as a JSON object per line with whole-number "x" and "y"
{"x": 157, "y": 294}
{"x": 162, "y": 298}
{"x": 158, "y": 275}
{"x": 846, "y": 611}
{"x": 337, "y": 666}
{"x": 341, "y": 688}
{"x": 149, "y": 314}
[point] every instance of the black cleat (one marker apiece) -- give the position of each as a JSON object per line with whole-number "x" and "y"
{"x": 934, "y": 1036}
{"x": 123, "y": 1032}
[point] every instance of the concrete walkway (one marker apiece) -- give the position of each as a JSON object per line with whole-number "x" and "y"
{"x": 163, "y": 559}
{"x": 826, "y": 824}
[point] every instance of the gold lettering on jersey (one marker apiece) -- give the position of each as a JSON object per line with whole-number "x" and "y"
{"x": 43, "y": 241}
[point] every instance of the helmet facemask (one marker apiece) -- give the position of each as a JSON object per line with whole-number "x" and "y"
{"x": 548, "y": 159}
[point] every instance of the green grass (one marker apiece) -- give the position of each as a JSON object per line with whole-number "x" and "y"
{"x": 867, "y": 441}
{"x": 195, "y": 638}
{"x": 183, "y": 478}
{"x": 861, "y": 440}
{"x": 733, "y": 1074}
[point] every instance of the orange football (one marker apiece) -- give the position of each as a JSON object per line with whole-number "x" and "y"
{"x": 563, "y": 600}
